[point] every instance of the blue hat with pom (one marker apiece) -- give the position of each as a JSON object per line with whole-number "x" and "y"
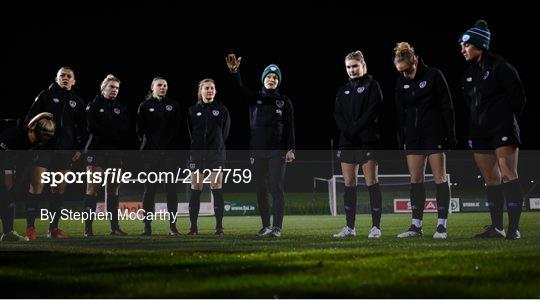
{"x": 479, "y": 35}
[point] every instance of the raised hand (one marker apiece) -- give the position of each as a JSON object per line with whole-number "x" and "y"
{"x": 233, "y": 63}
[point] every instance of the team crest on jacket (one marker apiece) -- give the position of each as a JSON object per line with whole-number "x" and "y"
{"x": 168, "y": 107}
{"x": 280, "y": 103}
{"x": 192, "y": 166}
{"x": 406, "y": 86}
{"x": 55, "y": 100}
{"x": 151, "y": 109}
{"x": 116, "y": 111}
{"x": 215, "y": 112}
{"x": 101, "y": 110}
{"x": 72, "y": 103}
{"x": 360, "y": 90}
{"x": 469, "y": 79}
{"x": 486, "y": 75}
{"x": 347, "y": 92}
{"x": 89, "y": 159}
{"x": 199, "y": 114}
{"x": 422, "y": 84}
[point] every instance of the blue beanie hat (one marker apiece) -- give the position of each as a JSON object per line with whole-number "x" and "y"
{"x": 271, "y": 69}
{"x": 479, "y": 35}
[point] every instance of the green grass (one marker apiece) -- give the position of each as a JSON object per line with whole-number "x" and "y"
{"x": 305, "y": 262}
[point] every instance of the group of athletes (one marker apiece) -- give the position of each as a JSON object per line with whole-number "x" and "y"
{"x": 59, "y": 123}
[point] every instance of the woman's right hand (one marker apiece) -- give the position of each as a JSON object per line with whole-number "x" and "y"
{"x": 233, "y": 63}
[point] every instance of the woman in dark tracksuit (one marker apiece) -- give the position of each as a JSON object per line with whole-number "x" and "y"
{"x": 495, "y": 96}
{"x": 426, "y": 129}
{"x": 108, "y": 125}
{"x": 272, "y": 141}
{"x": 357, "y": 111}
{"x": 64, "y": 148}
{"x": 159, "y": 120}
{"x": 34, "y": 136}
{"x": 208, "y": 123}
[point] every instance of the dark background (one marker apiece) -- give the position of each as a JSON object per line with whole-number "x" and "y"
{"x": 309, "y": 42}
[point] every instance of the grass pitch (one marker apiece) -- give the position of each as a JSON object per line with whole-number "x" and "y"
{"x": 305, "y": 262}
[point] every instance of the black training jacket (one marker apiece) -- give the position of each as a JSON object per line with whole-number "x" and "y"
{"x": 107, "y": 124}
{"x": 69, "y": 116}
{"x": 357, "y": 111}
{"x": 208, "y": 125}
{"x": 424, "y": 108}
{"x": 495, "y": 96}
{"x": 159, "y": 124}
{"x": 271, "y": 118}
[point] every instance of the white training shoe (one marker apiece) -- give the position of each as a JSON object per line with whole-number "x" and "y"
{"x": 411, "y": 232}
{"x": 440, "y": 233}
{"x": 265, "y": 231}
{"x": 374, "y": 233}
{"x": 346, "y": 231}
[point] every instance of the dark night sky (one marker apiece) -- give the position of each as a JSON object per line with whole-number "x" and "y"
{"x": 308, "y": 43}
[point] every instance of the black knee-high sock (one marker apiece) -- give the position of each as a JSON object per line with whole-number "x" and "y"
{"x": 172, "y": 202}
{"x": 7, "y": 211}
{"x": 112, "y": 207}
{"x": 219, "y": 207}
{"x": 375, "y": 201}
{"x": 90, "y": 204}
{"x": 495, "y": 198}
{"x": 443, "y": 200}
{"x": 32, "y": 201}
{"x": 55, "y": 206}
{"x": 349, "y": 198}
{"x": 194, "y": 207}
{"x": 418, "y": 200}
{"x": 514, "y": 202}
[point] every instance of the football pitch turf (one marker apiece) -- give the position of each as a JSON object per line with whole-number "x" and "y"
{"x": 305, "y": 262}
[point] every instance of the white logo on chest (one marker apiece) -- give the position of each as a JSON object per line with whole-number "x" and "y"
{"x": 422, "y": 84}
{"x": 168, "y": 107}
{"x": 360, "y": 90}
{"x": 198, "y": 114}
{"x": 215, "y": 113}
{"x": 72, "y": 103}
